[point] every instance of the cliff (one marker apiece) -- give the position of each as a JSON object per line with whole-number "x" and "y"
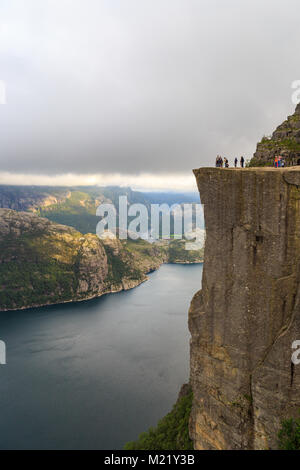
{"x": 285, "y": 141}
{"x": 247, "y": 315}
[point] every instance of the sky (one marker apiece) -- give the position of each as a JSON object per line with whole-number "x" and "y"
{"x": 140, "y": 92}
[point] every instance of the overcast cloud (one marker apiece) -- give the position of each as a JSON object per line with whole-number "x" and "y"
{"x": 137, "y": 87}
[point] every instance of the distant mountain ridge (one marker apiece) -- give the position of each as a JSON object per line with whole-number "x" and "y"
{"x": 76, "y": 206}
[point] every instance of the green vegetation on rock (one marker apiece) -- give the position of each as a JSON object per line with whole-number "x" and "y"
{"x": 33, "y": 279}
{"x": 254, "y": 162}
{"x": 289, "y": 435}
{"x": 43, "y": 263}
{"x": 121, "y": 266}
{"x": 78, "y": 210}
{"x": 172, "y": 431}
{"x": 179, "y": 254}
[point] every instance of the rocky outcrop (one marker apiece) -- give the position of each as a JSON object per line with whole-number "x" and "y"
{"x": 44, "y": 263}
{"x": 247, "y": 315}
{"x": 285, "y": 141}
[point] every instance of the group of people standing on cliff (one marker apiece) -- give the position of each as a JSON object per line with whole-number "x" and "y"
{"x": 224, "y": 163}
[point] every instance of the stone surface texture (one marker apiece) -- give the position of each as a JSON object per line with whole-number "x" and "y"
{"x": 247, "y": 315}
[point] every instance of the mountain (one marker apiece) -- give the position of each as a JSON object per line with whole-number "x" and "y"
{"x": 42, "y": 262}
{"x": 285, "y": 141}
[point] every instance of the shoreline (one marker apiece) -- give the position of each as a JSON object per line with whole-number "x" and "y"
{"x": 120, "y": 288}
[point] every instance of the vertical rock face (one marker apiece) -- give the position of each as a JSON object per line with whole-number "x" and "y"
{"x": 247, "y": 316}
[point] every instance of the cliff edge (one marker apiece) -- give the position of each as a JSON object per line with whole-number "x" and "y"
{"x": 247, "y": 315}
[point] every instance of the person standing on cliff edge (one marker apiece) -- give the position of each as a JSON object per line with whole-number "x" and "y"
{"x": 242, "y": 162}
{"x": 235, "y": 162}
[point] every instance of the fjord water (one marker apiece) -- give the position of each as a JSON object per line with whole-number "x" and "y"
{"x": 94, "y": 375}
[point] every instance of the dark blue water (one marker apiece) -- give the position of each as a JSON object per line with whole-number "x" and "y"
{"x": 94, "y": 375}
